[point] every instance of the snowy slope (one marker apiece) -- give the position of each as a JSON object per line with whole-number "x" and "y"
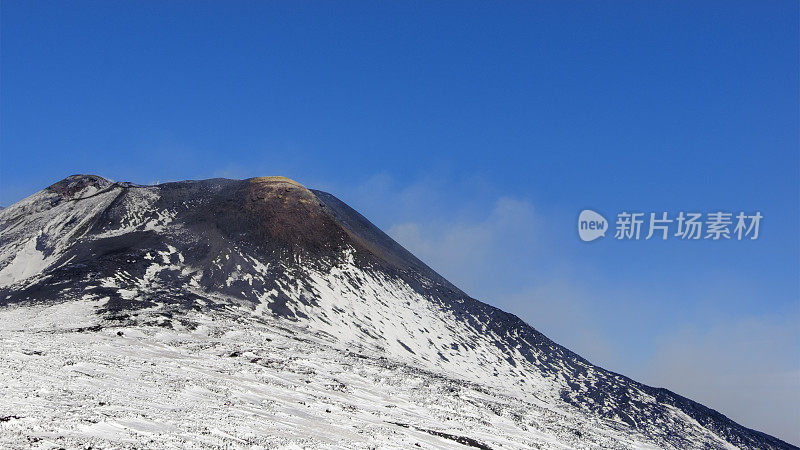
{"x": 257, "y": 312}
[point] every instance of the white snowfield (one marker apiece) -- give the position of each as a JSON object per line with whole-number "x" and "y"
{"x": 245, "y": 381}
{"x": 362, "y": 361}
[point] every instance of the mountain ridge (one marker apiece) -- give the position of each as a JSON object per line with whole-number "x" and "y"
{"x": 276, "y": 247}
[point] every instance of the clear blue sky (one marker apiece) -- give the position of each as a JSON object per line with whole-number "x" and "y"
{"x": 473, "y": 132}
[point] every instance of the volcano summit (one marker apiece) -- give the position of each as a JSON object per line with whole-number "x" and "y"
{"x": 258, "y": 313}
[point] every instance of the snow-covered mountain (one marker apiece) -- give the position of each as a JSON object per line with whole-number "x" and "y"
{"x": 258, "y": 313}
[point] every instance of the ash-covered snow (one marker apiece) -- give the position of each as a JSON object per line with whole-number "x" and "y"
{"x": 233, "y": 379}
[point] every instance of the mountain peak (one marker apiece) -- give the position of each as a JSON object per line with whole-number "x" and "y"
{"x": 187, "y": 255}
{"x": 275, "y": 179}
{"x": 74, "y": 184}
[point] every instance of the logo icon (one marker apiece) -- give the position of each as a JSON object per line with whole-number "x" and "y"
{"x": 591, "y": 225}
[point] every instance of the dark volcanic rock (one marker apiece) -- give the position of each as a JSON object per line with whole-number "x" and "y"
{"x": 269, "y": 244}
